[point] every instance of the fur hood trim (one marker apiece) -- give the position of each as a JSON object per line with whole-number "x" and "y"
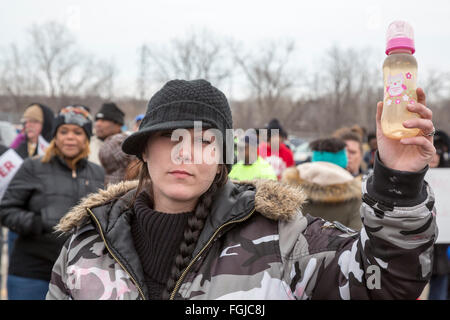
{"x": 274, "y": 200}
{"x": 324, "y": 183}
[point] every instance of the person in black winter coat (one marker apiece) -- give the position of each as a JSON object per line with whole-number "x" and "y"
{"x": 42, "y": 191}
{"x": 37, "y": 121}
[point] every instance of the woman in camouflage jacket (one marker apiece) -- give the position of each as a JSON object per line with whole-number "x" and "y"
{"x": 247, "y": 240}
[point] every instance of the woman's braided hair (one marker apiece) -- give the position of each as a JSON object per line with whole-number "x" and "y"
{"x": 192, "y": 231}
{"x": 194, "y": 225}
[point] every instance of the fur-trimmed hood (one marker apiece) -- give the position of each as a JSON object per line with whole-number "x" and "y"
{"x": 273, "y": 199}
{"x": 324, "y": 182}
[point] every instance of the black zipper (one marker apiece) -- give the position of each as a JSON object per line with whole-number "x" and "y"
{"x": 114, "y": 256}
{"x": 178, "y": 284}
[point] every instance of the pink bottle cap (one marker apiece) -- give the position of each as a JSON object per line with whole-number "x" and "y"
{"x": 400, "y": 35}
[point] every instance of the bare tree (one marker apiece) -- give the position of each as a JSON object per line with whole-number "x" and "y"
{"x": 17, "y": 77}
{"x": 102, "y": 82}
{"x": 353, "y": 85}
{"x": 64, "y": 69}
{"x": 269, "y": 75}
{"x": 53, "y": 50}
{"x": 437, "y": 85}
{"x": 199, "y": 54}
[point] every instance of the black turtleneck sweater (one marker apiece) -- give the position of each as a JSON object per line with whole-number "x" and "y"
{"x": 157, "y": 237}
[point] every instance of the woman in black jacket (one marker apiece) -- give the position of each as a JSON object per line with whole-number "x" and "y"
{"x": 42, "y": 191}
{"x": 37, "y": 121}
{"x": 184, "y": 231}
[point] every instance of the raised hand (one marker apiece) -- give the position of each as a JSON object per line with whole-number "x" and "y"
{"x": 408, "y": 154}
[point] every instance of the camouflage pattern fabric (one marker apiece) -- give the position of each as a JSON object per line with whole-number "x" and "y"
{"x": 260, "y": 246}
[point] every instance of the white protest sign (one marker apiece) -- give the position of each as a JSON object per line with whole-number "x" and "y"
{"x": 439, "y": 180}
{"x": 10, "y": 162}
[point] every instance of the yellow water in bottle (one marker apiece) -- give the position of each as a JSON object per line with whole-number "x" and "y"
{"x": 400, "y": 81}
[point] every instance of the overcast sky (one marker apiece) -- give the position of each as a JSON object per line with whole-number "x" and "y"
{"x": 115, "y": 29}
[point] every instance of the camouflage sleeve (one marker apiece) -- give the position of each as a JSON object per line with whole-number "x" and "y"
{"x": 57, "y": 289}
{"x": 390, "y": 258}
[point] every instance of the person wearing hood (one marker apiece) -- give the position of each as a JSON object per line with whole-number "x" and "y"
{"x": 37, "y": 122}
{"x": 333, "y": 193}
{"x": 41, "y": 192}
{"x": 185, "y": 231}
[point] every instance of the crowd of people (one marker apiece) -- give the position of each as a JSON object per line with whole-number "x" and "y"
{"x": 95, "y": 211}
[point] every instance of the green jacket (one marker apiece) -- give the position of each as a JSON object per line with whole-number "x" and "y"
{"x": 260, "y": 169}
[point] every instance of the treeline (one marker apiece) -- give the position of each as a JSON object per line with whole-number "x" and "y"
{"x": 261, "y": 81}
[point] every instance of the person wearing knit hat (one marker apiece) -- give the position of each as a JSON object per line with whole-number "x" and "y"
{"x": 108, "y": 123}
{"x": 75, "y": 114}
{"x": 274, "y": 124}
{"x": 179, "y": 104}
{"x": 40, "y": 193}
{"x": 183, "y": 230}
{"x": 110, "y": 111}
{"x": 108, "y": 120}
{"x": 274, "y": 151}
{"x": 71, "y": 134}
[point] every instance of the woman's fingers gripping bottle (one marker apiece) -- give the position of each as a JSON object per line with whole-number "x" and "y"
{"x": 400, "y": 81}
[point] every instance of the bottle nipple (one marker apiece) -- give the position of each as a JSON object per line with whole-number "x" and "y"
{"x": 400, "y": 35}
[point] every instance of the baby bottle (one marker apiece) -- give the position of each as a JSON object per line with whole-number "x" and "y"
{"x": 400, "y": 81}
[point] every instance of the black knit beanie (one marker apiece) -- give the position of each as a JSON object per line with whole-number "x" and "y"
{"x": 177, "y": 105}
{"x": 274, "y": 124}
{"x": 75, "y": 114}
{"x": 110, "y": 111}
